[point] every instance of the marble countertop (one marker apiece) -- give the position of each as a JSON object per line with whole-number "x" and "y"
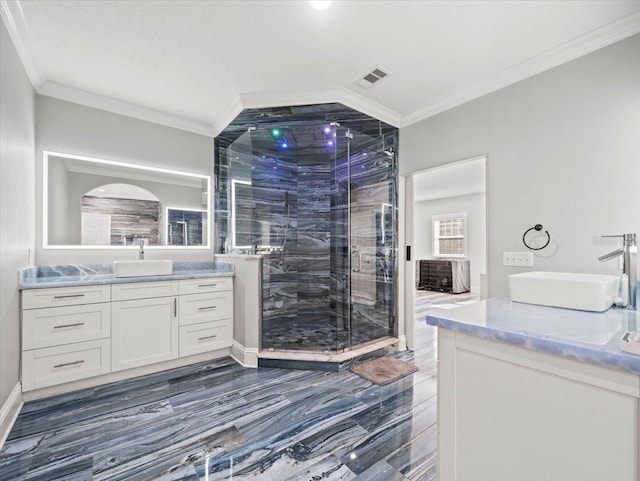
{"x": 591, "y": 337}
{"x": 70, "y": 275}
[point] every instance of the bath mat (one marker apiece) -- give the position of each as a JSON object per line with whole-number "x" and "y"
{"x": 383, "y": 370}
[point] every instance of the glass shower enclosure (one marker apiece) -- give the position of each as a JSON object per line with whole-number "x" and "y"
{"x": 314, "y": 191}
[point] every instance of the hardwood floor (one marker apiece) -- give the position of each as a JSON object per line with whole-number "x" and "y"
{"x": 218, "y": 420}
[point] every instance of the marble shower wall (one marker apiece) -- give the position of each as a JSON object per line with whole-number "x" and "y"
{"x": 295, "y": 203}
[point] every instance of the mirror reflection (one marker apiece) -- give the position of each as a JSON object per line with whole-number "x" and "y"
{"x": 93, "y": 202}
{"x": 185, "y": 227}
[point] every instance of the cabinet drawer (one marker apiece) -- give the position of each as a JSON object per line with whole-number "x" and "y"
{"x": 206, "y": 336}
{"x": 60, "y": 364}
{"x": 197, "y": 308}
{"x": 63, "y": 325}
{"x": 215, "y": 284}
{"x": 143, "y": 290}
{"x": 64, "y": 296}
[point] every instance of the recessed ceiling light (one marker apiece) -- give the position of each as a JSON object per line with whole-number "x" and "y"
{"x": 320, "y": 4}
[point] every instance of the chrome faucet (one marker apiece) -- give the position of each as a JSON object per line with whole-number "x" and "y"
{"x": 628, "y": 251}
{"x": 140, "y": 249}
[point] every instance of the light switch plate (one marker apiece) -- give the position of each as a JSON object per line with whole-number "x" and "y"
{"x": 517, "y": 259}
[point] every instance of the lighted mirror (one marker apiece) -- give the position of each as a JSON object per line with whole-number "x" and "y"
{"x": 97, "y": 203}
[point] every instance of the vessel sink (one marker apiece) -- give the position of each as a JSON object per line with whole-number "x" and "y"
{"x": 143, "y": 268}
{"x": 586, "y": 292}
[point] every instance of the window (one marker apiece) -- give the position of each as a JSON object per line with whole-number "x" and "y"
{"x": 449, "y": 235}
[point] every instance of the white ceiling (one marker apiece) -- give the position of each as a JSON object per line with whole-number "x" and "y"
{"x": 196, "y": 64}
{"x": 452, "y": 180}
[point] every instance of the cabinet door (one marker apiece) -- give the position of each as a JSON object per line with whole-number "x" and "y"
{"x": 143, "y": 331}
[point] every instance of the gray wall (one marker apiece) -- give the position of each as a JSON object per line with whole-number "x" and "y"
{"x": 474, "y": 206}
{"x": 563, "y": 151}
{"x": 16, "y": 202}
{"x": 74, "y": 129}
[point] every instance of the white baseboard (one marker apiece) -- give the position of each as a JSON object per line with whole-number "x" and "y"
{"x": 245, "y": 356}
{"x": 9, "y": 412}
{"x": 402, "y": 345}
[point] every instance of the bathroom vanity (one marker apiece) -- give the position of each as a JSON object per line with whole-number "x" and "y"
{"x": 79, "y": 322}
{"x": 536, "y": 393}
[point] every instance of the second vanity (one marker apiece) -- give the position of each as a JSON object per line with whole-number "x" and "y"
{"x": 81, "y": 323}
{"x": 534, "y": 393}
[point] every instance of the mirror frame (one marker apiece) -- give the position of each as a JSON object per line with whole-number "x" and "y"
{"x": 45, "y": 202}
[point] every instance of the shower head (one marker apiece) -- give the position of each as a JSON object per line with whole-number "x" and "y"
{"x": 286, "y": 199}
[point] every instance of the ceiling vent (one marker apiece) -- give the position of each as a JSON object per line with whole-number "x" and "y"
{"x": 372, "y": 78}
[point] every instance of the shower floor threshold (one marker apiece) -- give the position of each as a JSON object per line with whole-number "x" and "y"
{"x": 329, "y": 357}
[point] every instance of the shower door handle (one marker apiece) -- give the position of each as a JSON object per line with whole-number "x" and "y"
{"x": 356, "y": 250}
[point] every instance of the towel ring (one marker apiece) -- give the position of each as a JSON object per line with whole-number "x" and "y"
{"x": 537, "y": 227}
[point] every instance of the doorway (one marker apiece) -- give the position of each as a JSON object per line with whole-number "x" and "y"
{"x": 446, "y": 227}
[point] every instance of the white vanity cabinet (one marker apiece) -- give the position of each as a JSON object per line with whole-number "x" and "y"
{"x": 507, "y": 413}
{"x": 65, "y": 335}
{"x": 74, "y": 333}
{"x": 144, "y": 322}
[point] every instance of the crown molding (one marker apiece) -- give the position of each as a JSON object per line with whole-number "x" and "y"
{"x": 127, "y": 109}
{"x": 13, "y": 17}
{"x": 571, "y": 50}
{"x": 235, "y": 110}
{"x": 359, "y": 102}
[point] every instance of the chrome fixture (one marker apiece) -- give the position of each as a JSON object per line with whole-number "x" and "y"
{"x": 628, "y": 251}
{"x": 140, "y": 249}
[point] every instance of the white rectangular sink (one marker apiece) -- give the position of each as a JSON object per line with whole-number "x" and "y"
{"x": 143, "y": 268}
{"x": 586, "y": 292}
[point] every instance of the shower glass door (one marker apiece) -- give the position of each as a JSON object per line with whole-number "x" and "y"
{"x": 364, "y": 257}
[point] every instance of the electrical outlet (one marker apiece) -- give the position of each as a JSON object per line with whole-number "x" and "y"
{"x": 517, "y": 259}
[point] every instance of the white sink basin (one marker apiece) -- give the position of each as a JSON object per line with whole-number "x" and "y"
{"x": 586, "y": 292}
{"x": 143, "y": 268}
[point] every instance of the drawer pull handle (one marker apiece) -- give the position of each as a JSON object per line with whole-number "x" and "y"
{"x": 207, "y": 285}
{"x": 208, "y": 308}
{"x": 207, "y": 337}
{"x": 69, "y": 325}
{"x": 65, "y": 364}
{"x": 68, "y": 296}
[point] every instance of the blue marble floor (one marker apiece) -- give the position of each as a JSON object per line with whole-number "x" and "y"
{"x": 217, "y": 420}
